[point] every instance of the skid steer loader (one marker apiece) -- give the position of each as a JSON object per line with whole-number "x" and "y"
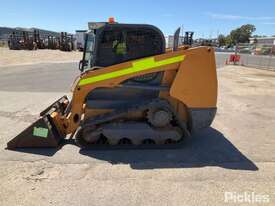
{"x": 131, "y": 91}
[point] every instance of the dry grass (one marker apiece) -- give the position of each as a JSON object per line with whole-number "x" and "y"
{"x": 3, "y": 44}
{"x": 19, "y": 57}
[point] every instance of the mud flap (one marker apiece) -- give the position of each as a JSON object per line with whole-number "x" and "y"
{"x": 43, "y": 132}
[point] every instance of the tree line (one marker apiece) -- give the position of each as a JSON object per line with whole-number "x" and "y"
{"x": 236, "y": 36}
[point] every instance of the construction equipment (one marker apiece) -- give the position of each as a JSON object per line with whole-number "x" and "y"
{"x": 66, "y": 42}
{"x": 39, "y": 41}
{"x": 188, "y": 38}
{"x": 28, "y": 41}
{"x": 80, "y": 39}
{"x": 25, "y": 40}
{"x": 131, "y": 92}
{"x": 14, "y": 41}
{"x": 52, "y": 42}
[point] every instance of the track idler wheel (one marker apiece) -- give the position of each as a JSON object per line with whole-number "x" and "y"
{"x": 159, "y": 117}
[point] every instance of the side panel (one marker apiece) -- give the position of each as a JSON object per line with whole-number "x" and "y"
{"x": 188, "y": 63}
{"x": 196, "y": 81}
{"x": 195, "y": 85}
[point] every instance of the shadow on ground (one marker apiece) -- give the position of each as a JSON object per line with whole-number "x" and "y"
{"x": 44, "y": 151}
{"x": 208, "y": 148}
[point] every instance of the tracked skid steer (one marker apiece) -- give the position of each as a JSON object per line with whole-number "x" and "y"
{"x": 131, "y": 92}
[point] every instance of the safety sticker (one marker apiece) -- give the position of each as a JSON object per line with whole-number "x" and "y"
{"x": 40, "y": 132}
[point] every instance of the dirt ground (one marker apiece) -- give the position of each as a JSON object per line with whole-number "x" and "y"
{"x": 236, "y": 155}
{"x": 19, "y": 57}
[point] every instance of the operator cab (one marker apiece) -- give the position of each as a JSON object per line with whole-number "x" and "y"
{"x": 109, "y": 43}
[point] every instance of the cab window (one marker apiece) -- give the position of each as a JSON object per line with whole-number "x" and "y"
{"x": 113, "y": 48}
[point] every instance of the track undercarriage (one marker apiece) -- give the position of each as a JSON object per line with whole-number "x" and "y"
{"x": 157, "y": 125}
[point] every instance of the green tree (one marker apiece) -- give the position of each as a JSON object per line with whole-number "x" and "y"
{"x": 228, "y": 41}
{"x": 242, "y": 34}
{"x": 221, "y": 40}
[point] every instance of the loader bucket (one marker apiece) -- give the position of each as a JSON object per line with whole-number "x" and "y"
{"x": 43, "y": 132}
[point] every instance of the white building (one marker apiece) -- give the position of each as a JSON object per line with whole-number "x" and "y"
{"x": 263, "y": 41}
{"x": 80, "y": 39}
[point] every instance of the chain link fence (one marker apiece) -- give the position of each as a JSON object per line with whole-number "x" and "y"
{"x": 257, "y": 61}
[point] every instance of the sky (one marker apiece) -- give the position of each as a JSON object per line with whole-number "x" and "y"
{"x": 207, "y": 18}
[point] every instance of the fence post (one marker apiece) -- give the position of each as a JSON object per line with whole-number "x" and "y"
{"x": 269, "y": 60}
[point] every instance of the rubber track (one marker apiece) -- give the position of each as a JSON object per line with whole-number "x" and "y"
{"x": 109, "y": 117}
